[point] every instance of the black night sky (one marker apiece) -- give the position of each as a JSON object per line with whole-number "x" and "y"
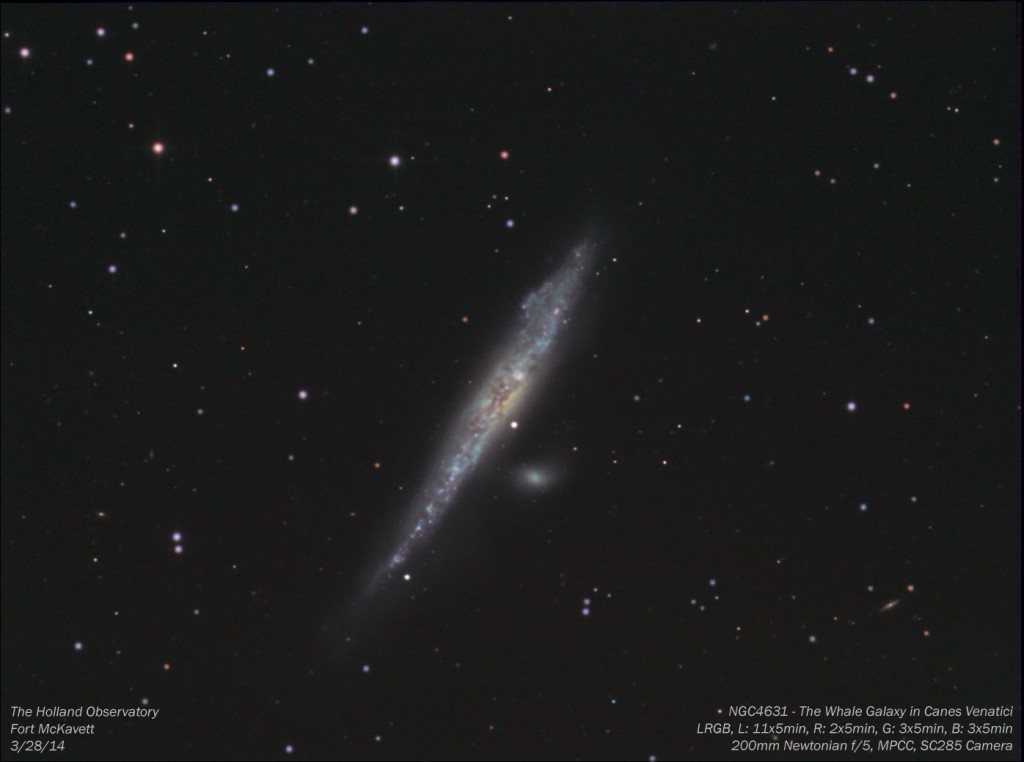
{"x": 256, "y": 260}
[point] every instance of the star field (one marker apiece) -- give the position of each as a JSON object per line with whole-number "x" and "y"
{"x": 256, "y": 259}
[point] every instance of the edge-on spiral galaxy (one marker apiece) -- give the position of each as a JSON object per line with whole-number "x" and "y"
{"x": 520, "y": 363}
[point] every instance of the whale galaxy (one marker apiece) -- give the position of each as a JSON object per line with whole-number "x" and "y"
{"x": 520, "y": 363}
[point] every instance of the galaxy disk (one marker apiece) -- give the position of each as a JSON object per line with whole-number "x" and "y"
{"x": 520, "y": 364}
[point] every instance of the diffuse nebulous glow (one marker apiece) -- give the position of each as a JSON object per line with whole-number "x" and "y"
{"x": 519, "y": 365}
